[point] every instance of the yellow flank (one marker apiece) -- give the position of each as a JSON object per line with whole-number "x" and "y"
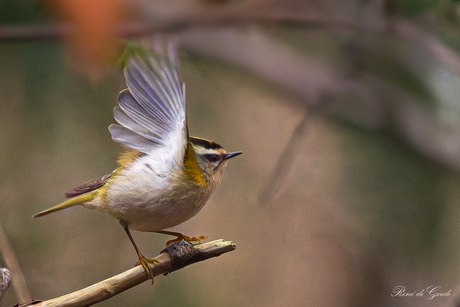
{"x": 128, "y": 156}
{"x": 69, "y": 203}
{"x": 191, "y": 167}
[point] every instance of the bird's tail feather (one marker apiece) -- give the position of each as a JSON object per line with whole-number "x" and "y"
{"x": 68, "y": 203}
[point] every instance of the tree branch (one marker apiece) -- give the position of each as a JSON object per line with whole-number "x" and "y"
{"x": 188, "y": 14}
{"x": 176, "y": 15}
{"x": 174, "y": 257}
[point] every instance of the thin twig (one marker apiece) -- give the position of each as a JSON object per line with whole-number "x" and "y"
{"x": 176, "y": 256}
{"x": 18, "y": 281}
{"x": 57, "y": 31}
{"x": 284, "y": 163}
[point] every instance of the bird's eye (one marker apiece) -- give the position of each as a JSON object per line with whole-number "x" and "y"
{"x": 212, "y": 157}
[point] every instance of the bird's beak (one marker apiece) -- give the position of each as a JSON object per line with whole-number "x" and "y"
{"x": 232, "y": 154}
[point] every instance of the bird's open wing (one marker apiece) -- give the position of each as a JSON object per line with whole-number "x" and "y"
{"x": 152, "y": 111}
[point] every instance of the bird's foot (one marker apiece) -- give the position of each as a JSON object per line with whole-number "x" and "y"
{"x": 192, "y": 240}
{"x": 145, "y": 262}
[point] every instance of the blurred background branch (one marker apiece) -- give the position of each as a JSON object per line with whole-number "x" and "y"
{"x": 214, "y": 29}
{"x": 284, "y": 164}
{"x": 19, "y": 284}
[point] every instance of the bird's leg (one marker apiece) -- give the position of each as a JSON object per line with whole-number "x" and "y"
{"x": 180, "y": 236}
{"x": 142, "y": 259}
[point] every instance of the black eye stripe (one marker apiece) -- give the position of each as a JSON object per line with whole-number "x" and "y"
{"x": 212, "y": 157}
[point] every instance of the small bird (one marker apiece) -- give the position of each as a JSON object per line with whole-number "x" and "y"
{"x": 165, "y": 176}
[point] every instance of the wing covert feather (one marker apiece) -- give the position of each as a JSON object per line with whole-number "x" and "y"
{"x": 88, "y": 186}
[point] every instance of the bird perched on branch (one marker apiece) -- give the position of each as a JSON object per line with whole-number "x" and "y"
{"x": 165, "y": 176}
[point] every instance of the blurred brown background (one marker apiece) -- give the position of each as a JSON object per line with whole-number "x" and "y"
{"x": 347, "y": 113}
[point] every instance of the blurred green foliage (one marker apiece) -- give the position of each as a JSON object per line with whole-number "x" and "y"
{"x": 20, "y": 12}
{"x": 411, "y": 8}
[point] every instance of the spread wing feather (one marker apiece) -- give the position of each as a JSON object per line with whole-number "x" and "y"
{"x": 131, "y": 139}
{"x": 126, "y": 121}
{"x": 152, "y": 111}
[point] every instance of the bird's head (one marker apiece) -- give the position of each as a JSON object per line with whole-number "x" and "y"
{"x": 211, "y": 157}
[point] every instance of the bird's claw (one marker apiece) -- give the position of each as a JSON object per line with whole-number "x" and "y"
{"x": 144, "y": 262}
{"x": 192, "y": 240}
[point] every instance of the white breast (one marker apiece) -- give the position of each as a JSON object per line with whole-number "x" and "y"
{"x": 152, "y": 194}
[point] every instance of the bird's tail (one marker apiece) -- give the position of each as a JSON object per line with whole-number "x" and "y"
{"x": 68, "y": 203}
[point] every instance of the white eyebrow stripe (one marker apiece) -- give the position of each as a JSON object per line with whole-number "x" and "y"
{"x": 205, "y": 151}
